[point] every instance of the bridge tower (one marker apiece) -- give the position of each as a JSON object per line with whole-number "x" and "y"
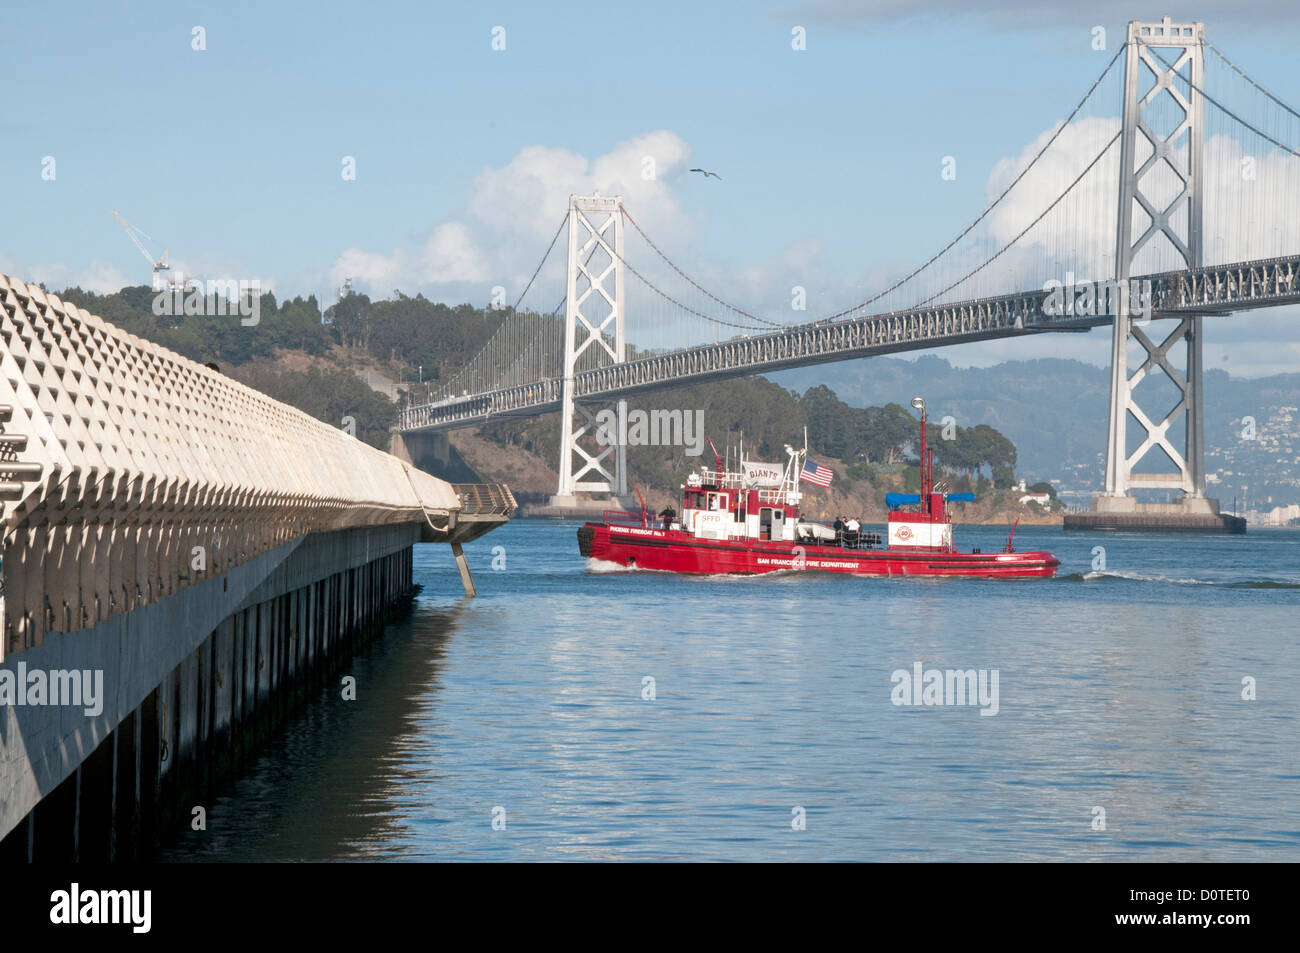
{"x": 594, "y": 319}
{"x": 1146, "y": 153}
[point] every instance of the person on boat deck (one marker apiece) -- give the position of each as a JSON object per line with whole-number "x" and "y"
{"x": 839, "y": 530}
{"x": 851, "y": 532}
{"x": 668, "y": 514}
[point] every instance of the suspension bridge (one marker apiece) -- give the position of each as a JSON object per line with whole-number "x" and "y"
{"x": 1168, "y": 193}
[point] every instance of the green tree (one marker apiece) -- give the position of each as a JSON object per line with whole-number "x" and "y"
{"x": 347, "y": 319}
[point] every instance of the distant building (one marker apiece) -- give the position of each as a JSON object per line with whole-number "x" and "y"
{"x": 1280, "y": 515}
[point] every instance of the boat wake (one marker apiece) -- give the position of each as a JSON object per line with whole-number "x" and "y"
{"x": 1106, "y": 575}
{"x": 595, "y": 565}
{"x": 605, "y": 565}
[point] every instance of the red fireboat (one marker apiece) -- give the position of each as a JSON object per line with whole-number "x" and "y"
{"x": 748, "y": 521}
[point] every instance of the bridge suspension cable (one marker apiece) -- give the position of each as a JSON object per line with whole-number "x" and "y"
{"x": 692, "y": 311}
{"x": 1228, "y": 112}
{"x": 1242, "y": 73}
{"x": 538, "y": 270}
{"x": 989, "y": 208}
{"x": 768, "y": 323}
{"x": 499, "y": 348}
{"x": 998, "y": 254}
{"x": 671, "y": 264}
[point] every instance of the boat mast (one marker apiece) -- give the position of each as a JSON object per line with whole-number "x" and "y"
{"x": 717, "y": 461}
{"x": 926, "y": 477}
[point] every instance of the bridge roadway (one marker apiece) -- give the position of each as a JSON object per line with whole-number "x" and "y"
{"x": 183, "y": 561}
{"x": 1211, "y": 290}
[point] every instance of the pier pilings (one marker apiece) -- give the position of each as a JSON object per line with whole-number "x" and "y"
{"x": 193, "y": 685}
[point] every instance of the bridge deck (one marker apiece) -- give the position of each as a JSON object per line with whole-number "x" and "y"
{"x": 1212, "y": 290}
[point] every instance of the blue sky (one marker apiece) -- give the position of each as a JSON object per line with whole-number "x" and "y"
{"x": 230, "y": 157}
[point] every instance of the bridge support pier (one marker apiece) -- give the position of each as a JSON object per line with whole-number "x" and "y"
{"x": 593, "y": 337}
{"x": 1174, "y": 54}
{"x": 415, "y": 448}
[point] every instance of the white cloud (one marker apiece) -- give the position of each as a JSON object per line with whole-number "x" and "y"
{"x": 513, "y": 210}
{"x": 98, "y": 276}
{"x": 370, "y": 268}
{"x": 104, "y": 278}
{"x": 1242, "y": 188}
{"x": 769, "y": 285}
{"x": 1244, "y": 192}
{"x": 452, "y": 255}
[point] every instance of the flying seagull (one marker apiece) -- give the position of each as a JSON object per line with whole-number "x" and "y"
{"x": 707, "y": 174}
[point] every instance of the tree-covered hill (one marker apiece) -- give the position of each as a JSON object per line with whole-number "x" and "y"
{"x": 297, "y": 355}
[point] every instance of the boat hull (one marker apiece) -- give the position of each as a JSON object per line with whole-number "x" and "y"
{"x": 637, "y": 547}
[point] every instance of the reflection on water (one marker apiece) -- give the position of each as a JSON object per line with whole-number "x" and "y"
{"x": 1120, "y": 690}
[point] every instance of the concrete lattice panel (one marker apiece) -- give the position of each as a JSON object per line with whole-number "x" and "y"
{"x": 124, "y": 466}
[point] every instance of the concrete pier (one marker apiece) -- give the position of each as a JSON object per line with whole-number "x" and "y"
{"x": 1123, "y": 514}
{"x": 184, "y": 561}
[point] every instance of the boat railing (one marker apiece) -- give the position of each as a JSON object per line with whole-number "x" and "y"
{"x": 720, "y": 478}
{"x": 859, "y": 539}
{"x": 622, "y": 518}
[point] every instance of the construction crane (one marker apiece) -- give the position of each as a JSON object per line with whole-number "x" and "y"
{"x": 160, "y": 267}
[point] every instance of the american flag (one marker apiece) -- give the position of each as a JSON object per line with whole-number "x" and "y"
{"x": 817, "y": 474}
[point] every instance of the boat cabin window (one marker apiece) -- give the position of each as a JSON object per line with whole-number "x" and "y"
{"x": 765, "y": 523}
{"x": 717, "y": 501}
